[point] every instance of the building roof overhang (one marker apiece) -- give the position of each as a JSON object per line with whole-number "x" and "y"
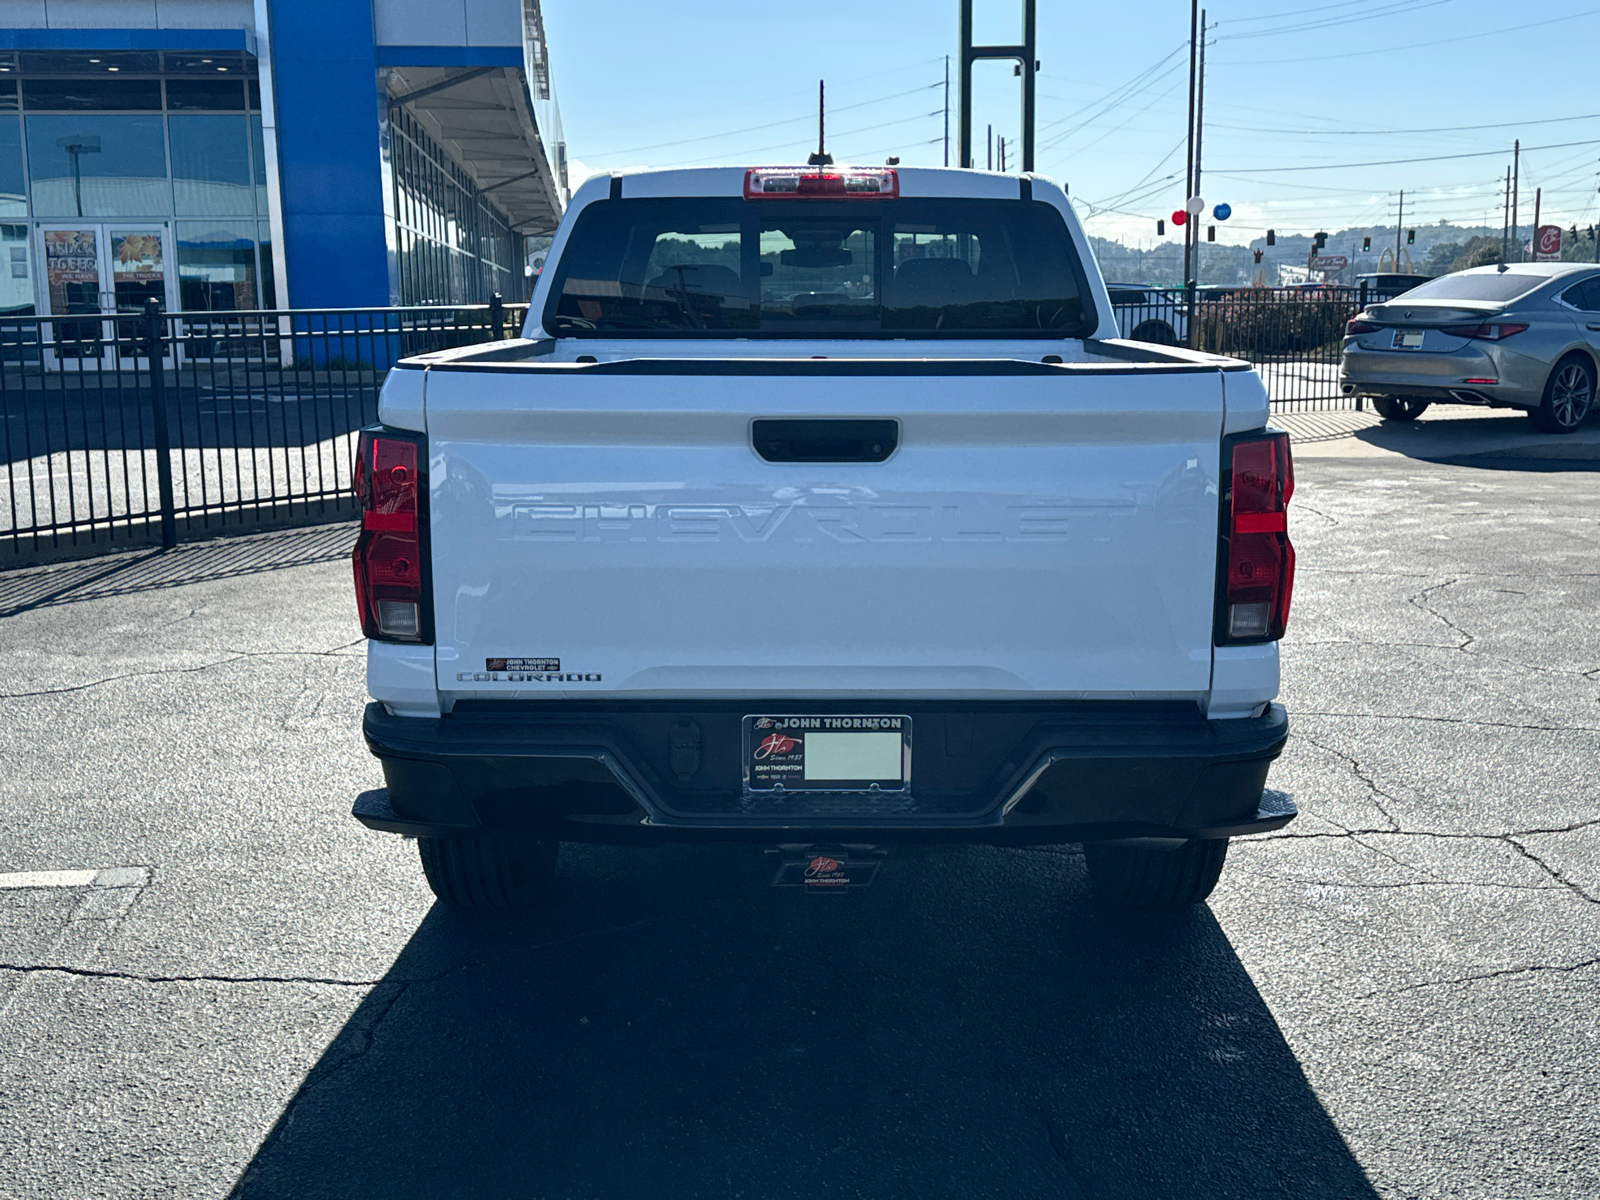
{"x": 484, "y": 118}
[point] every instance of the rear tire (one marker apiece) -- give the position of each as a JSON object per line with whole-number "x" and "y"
{"x": 1158, "y": 332}
{"x": 1568, "y": 397}
{"x": 484, "y": 872}
{"x": 1399, "y": 408}
{"x": 1133, "y": 877}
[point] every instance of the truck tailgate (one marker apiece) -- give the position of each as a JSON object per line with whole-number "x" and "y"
{"x": 610, "y": 531}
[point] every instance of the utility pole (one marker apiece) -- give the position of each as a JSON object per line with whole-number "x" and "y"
{"x": 1538, "y": 195}
{"x": 1188, "y": 170}
{"x": 947, "y": 110}
{"x": 988, "y": 139}
{"x": 1505, "y": 220}
{"x": 1516, "y": 174}
{"x": 1199, "y": 141}
{"x": 1028, "y": 66}
{"x": 1398, "y": 222}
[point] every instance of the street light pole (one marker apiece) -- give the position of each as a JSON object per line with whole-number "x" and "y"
{"x": 1188, "y": 170}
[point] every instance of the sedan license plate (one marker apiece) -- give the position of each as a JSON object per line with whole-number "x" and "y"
{"x": 827, "y": 753}
{"x": 1408, "y": 340}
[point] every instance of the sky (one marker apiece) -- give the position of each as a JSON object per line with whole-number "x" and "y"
{"x": 1299, "y": 99}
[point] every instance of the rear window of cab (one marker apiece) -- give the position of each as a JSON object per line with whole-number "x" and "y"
{"x": 902, "y": 268}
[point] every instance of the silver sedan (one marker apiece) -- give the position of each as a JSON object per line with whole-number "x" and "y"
{"x": 1516, "y": 335}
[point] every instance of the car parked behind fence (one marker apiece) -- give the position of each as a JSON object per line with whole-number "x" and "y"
{"x": 1149, "y": 314}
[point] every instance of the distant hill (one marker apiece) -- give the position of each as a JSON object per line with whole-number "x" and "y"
{"x": 1438, "y": 248}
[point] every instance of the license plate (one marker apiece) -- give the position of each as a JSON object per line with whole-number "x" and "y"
{"x": 827, "y": 753}
{"x": 1408, "y": 341}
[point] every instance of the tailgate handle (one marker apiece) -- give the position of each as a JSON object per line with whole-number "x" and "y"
{"x": 815, "y": 440}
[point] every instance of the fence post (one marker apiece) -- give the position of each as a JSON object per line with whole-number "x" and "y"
{"x": 1191, "y": 299}
{"x": 1361, "y": 401}
{"x": 497, "y": 316}
{"x": 155, "y": 346}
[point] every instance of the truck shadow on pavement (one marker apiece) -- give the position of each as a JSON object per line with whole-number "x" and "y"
{"x": 670, "y": 1026}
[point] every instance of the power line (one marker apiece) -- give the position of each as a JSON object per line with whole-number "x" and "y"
{"x": 1393, "y": 162}
{"x": 1393, "y": 9}
{"x": 1384, "y": 132}
{"x": 1466, "y": 37}
{"x": 678, "y": 118}
{"x": 843, "y": 134}
{"x": 755, "y": 128}
{"x": 1277, "y": 16}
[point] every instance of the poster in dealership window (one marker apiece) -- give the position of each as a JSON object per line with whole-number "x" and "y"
{"x": 136, "y": 257}
{"x": 72, "y": 270}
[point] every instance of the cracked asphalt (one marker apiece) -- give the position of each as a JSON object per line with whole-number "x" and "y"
{"x": 1397, "y": 996}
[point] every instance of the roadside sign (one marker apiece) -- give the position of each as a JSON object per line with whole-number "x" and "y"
{"x": 1329, "y": 262}
{"x": 1548, "y": 243}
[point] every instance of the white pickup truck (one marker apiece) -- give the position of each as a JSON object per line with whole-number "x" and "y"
{"x": 823, "y": 508}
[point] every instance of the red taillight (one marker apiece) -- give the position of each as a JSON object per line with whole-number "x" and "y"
{"x": 389, "y": 563}
{"x": 821, "y": 183}
{"x": 1258, "y": 561}
{"x": 1359, "y": 326}
{"x": 1489, "y": 331}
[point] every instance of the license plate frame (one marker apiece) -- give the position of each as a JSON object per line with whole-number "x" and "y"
{"x": 1409, "y": 339}
{"x": 806, "y": 752}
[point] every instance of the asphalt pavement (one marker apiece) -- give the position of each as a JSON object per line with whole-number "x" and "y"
{"x": 213, "y": 982}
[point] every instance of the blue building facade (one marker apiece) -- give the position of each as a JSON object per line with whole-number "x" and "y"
{"x": 247, "y": 154}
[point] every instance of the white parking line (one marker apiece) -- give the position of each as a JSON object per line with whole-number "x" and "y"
{"x": 113, "y": 877}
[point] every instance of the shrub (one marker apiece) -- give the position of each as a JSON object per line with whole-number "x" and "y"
{"x": 1263, "y": 322}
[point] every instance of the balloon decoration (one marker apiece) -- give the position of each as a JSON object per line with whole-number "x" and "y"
{"x": 1179, "y": 216}
{"x": 1222, "y": 212}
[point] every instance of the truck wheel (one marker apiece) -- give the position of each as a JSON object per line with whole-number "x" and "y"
{"x": 1398, "y": 408}
{"x": 471, "y": 872}
{"x": 1133, "y": 877}
{"x": 1568, "y": 397}
{"x": 1158, "y": 332}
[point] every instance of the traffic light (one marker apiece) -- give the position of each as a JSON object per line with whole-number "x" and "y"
{"x": 1411, "y": 237}
{"x": 1366, "y": 243}
{"x": 1211, "y": 233}
{"x": 1272, "y": 237}
{"x": 1321, "y": 240}
{"x": 1161, "y": 228}
{"x": 1258, "y": 258}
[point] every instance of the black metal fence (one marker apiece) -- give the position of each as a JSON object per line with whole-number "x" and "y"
{"x": 144, "y": 428}
{"x": 1292, "y": 335}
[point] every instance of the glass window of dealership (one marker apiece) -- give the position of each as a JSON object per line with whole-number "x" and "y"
{"x": 131, "y": 175}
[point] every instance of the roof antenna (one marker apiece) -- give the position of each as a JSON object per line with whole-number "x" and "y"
{"x": 821, "y": 158}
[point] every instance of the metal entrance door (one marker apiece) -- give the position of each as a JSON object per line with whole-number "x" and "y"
{"x": 96, "y": 271}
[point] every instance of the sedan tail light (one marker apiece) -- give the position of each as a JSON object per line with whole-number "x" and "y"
{"x": 1257, "y": 576}
{"x": 1359, "y": 326}
{"x": 390, "y": 558}
{"x": 1490, "y": 331}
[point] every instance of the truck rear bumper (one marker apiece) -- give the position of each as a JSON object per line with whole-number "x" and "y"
{"x": 1001, "y": 772}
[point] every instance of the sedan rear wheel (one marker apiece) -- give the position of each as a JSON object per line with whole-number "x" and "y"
{"x": 1399, "y": 408}
{"x": 1568, "y": 397}
{"x": 1158, "y": 332}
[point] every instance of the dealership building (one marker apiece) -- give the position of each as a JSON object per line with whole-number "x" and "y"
{"x": 244, "y": 154}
